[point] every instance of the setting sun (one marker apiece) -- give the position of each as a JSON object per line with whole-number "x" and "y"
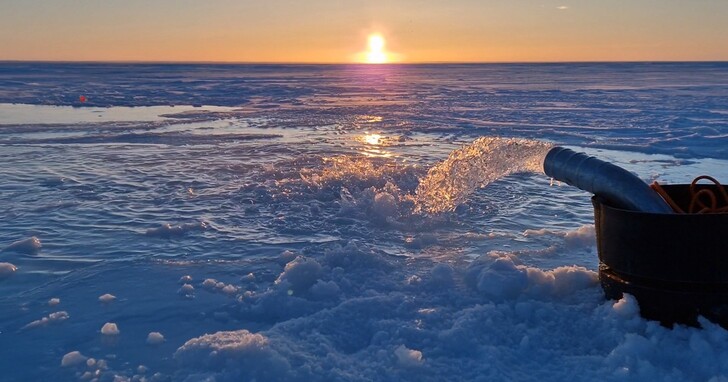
{"x": 376, "y": 53}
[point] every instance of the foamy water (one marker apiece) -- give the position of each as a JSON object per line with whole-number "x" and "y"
{"x": 335, "y": 222}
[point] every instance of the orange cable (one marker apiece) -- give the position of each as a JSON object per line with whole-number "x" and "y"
{"x": 695, "y": 197}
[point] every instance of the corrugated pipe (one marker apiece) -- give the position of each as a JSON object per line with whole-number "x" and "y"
{"x": 619, "y": 187}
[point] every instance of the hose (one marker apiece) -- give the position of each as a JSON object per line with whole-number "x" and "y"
{"x": 619, "y": 187}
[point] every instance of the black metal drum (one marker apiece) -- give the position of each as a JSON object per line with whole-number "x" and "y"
{"x": 676, "y": 265}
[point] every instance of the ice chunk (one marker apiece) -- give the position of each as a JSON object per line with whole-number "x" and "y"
{"x": 109, "y": 329}
{"x": 50, "y": 319}
{"x": 155, "y": 338}
{"x": 186, "y": 290}
{"x": 73, "y": 358}
{"x": 54, "y": 301}
{"x": 29, "y": 246}
{"x": 7, "y": 270}
{"x": 209, "y": 283}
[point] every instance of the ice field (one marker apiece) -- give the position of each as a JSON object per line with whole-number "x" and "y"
{"x": 335, "y": 223}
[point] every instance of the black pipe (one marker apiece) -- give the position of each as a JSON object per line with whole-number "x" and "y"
{"x": 619, "y": 187}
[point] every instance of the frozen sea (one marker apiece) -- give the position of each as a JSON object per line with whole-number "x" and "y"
{"x": 335, "y": 223}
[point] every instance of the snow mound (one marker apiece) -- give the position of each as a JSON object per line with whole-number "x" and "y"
{"x": 187, "y": 291}
{"x": 155, "y": 338}
{"x": 500, "y": 276}
{"x": 73, "y": 358}
{"x": 300, "y": 274}
{"x": 110, "y": 329}
{"x": 240, "y": 353}
{"x": 584, "y": 236}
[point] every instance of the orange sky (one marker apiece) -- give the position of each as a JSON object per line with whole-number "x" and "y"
{"x": 336, "y": 31}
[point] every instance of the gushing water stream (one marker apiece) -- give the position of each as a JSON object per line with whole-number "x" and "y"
{"x": 487, "y": 159}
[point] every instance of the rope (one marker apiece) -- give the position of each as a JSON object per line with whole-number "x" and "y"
{"x": 698, "y": 197}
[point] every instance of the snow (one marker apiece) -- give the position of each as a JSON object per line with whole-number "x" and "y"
{"x": 274, "y": 239}
{"x": 110, "y": 329}
{"x": 73, "y": 358}
{"x": 248, "y": 351}
{"x": 50, "y": 319}
{"x": 155, "y": 338}
{"x": 186, "y": 290}
{"x": 300, "y": 274}
{"x": 408, "y": 357}
{"x": 107, "y": 298}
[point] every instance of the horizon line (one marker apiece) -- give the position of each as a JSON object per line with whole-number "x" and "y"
{"x": 303, "y": 63}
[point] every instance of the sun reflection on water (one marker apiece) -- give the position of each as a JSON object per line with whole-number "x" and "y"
{"x": 374, "y": 144}
{"x": 373, "y": 139}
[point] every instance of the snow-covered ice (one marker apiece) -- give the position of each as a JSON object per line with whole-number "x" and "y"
{"x": 347, "y": 223}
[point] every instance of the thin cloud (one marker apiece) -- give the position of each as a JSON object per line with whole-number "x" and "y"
{"x": 562, "y": 7}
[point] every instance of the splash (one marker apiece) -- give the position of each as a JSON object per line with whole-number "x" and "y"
{"x": 487, "y": 159}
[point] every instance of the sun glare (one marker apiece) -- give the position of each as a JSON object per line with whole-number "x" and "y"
{"x": 373, "y": 139}
{"x": 376, "y": 53}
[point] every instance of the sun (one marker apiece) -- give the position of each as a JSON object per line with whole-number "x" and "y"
{"x": 376, "y": 53}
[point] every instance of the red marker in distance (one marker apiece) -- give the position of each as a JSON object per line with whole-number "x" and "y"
{"x": 82, "y": 98}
